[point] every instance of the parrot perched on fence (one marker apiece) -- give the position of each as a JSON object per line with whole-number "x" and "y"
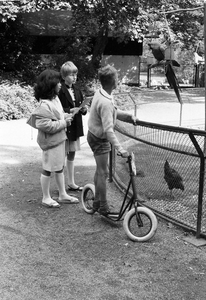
{"x": 158, "y": 52}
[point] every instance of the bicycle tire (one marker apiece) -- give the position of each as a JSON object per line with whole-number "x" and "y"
{"x": 87, "y": 198}
{"x": 134, "y": 231}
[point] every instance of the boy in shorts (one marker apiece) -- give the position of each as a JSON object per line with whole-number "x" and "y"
{"x": 102, "y": 119}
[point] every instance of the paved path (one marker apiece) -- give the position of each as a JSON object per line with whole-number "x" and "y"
{"x": 17, "y": 132}
{"x": 169, "y": 113}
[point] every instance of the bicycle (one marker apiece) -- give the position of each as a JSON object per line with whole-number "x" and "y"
{"x": 139, "y": 222}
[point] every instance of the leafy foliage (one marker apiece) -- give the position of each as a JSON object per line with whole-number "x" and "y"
{"x": 16, "y": 101}
{"x": 179, "y": 21}
{"x": 94, "y": 21}
{"x": 121, "y": 19}
{"x": 16, "y": 49}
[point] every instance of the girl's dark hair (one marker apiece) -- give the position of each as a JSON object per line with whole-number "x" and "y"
{"x": 46, "y": 83}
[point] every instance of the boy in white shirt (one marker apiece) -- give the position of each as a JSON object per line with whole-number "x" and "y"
{"x": 102, "y": 119}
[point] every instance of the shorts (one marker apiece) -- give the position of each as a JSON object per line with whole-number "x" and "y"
{"x": 98, "y": 146}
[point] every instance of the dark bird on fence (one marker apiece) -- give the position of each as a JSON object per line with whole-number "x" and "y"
{"x": 172, "y": 80}
{"x": 158, "y": 52}
{"x": 173, "y": 178}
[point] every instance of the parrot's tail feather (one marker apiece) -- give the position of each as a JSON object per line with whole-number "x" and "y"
{"x": 172, "y": 79}
{"x": 175, "y": 63}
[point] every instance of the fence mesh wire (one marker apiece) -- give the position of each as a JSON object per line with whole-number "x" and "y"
{"x": 152, "y": 146}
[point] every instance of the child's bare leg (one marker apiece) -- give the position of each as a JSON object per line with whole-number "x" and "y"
{"x": 70, "y": 171}
{"x": 63, "y": 196}
{"x": 96, "y": 203}
{"x": 45, "y": 184}
{"x": 100, "y": 180}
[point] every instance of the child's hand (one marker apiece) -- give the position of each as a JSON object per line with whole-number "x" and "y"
{"x": 67, "y": 115}
{"x": 74, "y": 110}
{"x": 123, "y": 153}
{"x": 83, "y": 110}
{"x": 134, "y": 120}
{"x": 68, "y": 119}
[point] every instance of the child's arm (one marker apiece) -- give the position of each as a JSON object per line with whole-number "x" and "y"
{"x": 68, "y": 116}
{"x": 83, "y": 110}
{"x": 126, "y": 117}
{"x": 82, "y": 107}
{"x": 76, "y": 110}
{"x": 114, "y": 141}
{"x": 106, "y": 113}
{"x": 49, "y": 125}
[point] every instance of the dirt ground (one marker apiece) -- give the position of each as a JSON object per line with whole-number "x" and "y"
{"x": 66, "y": 254}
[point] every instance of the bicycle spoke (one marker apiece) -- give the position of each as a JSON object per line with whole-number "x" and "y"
{"x": 141, "y": 229}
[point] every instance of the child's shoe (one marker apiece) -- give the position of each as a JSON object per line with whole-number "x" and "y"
{"x": 69, "y": 200}
{"x": 96, "y": 205}
{"x": 104, "y": 210}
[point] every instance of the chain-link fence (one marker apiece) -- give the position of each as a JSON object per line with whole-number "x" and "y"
{"x": 180, "y": 196}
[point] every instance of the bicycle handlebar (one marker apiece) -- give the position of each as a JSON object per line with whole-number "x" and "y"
{"x": 131, "y": 161}
{"x": 130, "y": 154}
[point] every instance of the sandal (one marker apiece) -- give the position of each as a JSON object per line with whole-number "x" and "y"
{"x": 51, "y": 204}
{"x": 70, "y": 200}
{"x": 77, "y": 189}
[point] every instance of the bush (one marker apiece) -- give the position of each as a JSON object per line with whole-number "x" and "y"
{"x": 16, "y": 101}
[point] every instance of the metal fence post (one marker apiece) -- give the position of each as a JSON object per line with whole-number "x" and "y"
{"x": 200, "y": 198}
{"x": 111, "y": 162}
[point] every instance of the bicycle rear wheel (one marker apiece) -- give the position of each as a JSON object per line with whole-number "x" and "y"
{"x": 87, "y": 198}
{"x": 136, "y": 232}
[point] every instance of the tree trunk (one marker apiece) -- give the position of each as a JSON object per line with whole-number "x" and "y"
{"x": 99, "y": 47}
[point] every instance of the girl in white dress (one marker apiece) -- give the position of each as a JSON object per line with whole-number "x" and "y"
{"x": 51, "y": 122}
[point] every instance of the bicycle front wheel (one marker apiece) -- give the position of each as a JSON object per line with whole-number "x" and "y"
{"x": 140, "y": 232}
{"x": 87, "y": 198}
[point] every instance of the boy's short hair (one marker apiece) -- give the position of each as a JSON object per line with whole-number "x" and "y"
{"x": 67, "y": 68}
{"x": 107, "y": 75}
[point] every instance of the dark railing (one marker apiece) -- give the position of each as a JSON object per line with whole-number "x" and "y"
{"x": 184, "y": 148}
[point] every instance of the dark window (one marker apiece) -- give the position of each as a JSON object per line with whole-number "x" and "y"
{"x": 129, "y": 48}
{"x": 44, "y": 45}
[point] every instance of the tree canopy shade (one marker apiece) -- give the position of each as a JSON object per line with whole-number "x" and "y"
{"x": 124, "y": 20}
{"x": 48, "y": 25}
{"x": 48, "y": 22}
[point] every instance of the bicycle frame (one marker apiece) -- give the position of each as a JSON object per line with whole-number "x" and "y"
{"x": 139, "y": 222}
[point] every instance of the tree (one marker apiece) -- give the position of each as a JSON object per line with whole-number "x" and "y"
{"x": 95, "y": 20}
{"x": 16, "y": 46}
{"x": 9, "y": 10}
{"x": 123, "y": 19}
{"x": 181, "y": 21}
